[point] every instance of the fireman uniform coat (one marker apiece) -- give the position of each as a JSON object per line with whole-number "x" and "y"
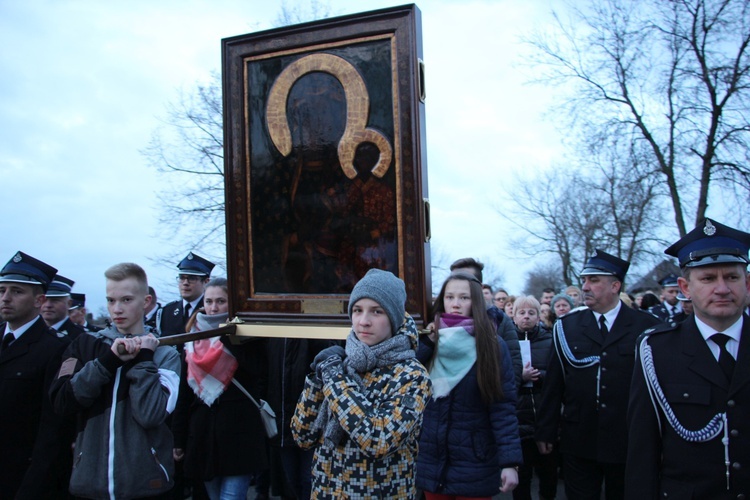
{"x": 591, "y": 429}
{"x": 661, "y": 464}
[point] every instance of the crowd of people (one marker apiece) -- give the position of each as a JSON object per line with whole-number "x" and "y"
{"x": 617, "y": 395}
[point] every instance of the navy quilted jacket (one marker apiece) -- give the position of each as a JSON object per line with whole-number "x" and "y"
{"x": 465, "y": 443}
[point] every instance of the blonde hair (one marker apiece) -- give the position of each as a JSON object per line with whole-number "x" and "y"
{"x": 125, "y": 270}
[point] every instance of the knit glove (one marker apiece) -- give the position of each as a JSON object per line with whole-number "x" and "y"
{"x": 328, "y": 359}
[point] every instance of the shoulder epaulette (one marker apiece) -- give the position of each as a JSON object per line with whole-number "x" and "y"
{"x": 661, "y": 328}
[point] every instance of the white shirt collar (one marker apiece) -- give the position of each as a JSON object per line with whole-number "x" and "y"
{"x": 57, "y": 325}
{"x": 193, "y": 304}
{"x": 20, "y": 330}
{"x": 734, "y": 333}
{"x": 609, "y": 316}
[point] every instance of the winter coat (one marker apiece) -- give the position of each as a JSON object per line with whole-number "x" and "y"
{"x": 288, "y": 364}
{"x": 226, "y": 438}
{"x": 507, "y": 330}
{"x": 466, "y": 443}
{"x": 530, "y": 398}
{"x": 382, "y": 425}
{"x": 124, "y": 447}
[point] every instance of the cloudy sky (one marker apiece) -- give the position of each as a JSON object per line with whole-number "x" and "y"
{"x": 84, "y": 84}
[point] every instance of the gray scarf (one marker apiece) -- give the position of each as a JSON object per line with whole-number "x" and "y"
{"x": 360, "y": 359}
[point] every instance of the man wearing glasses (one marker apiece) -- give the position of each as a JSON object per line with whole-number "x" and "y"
{"x": 194, "y": 274}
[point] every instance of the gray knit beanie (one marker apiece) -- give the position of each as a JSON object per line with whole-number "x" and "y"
{"x": 385, "y": 289}
{"x": 562, "y": 296}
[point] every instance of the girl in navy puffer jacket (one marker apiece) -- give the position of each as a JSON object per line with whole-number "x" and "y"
{"x": 469, "y": 446}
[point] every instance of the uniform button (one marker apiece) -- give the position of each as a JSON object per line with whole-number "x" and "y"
{"x": 604, "y": 368}
{"x": 741, "y": 496}
{"x": 604, "y": 387}
{"x": 736, "y": 466}
{"x": 604, "y": 354}
{"x": 730, "y": 403}
{"x": 734, "y": 433}
{"x": 685, "y": 395}
{"x": 604, "y": 405}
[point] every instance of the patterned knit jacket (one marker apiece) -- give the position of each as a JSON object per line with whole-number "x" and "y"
{"x": 376, "y": 460}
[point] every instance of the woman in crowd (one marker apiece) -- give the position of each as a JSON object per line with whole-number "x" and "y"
{"x": 469, "y": 447}
{"x": 575, "y": 293}
{"x": 217, "y": 429}
{"x": 561, "y": 305}
{"x": 362, "y": 406}
{"x": 649, "y": 300}
{"x": 501, "y": 295}
{"x": 508, "y": 307}
{"x": 546, "y": 315}
{"x": 539, "y": 339}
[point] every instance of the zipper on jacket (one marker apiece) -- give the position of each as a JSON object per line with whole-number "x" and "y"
{"x": 156, "y": 459}
{"x": 111, "y": 456}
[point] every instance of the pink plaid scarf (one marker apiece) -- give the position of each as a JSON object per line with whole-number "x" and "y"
{"x": 210, "y": 368}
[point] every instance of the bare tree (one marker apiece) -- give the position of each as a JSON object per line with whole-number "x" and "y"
{"x": 603, "y": 202}
{"x": 543, "y": 275}
{"x": 673, "y": 78}
{"x": 190, "y": 148}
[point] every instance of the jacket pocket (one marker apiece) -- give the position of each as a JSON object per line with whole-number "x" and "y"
{"x": 571, "y": 412}
{"x": 671, "y": 488}
{"x": 582, "y": 348}
{"x": 480, "y": 443}
{"x": 159, "y": 464}
{"x": 678, "y": 394}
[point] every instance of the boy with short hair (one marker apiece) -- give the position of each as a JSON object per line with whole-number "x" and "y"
{"x": 123, "y": 446}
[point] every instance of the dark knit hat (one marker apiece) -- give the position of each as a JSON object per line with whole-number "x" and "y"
{"x": 385, "y": 289}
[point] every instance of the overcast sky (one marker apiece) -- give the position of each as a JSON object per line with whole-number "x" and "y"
{"x": 84, "y": 84}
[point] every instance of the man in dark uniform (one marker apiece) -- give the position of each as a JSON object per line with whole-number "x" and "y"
{"x": 689, "y": 413}
{"x": 194, "y": 274}
{"x": 153, "y": 310}
{"x": 29, "y": 359}
{"x": 55, "y": 308}
{"x": 77, "y": 312}
{"x": 585, "y": 392}
{"x": 670, "y": 306}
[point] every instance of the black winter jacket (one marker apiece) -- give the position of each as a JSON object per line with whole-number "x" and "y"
{"x": 530, "y": 398}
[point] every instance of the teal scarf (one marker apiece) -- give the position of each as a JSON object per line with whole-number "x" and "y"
{"x": 457, "y": 353}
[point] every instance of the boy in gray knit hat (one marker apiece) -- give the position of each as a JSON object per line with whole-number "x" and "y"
{"x": 362, "y": 406}
{"x": 385, "y": 289}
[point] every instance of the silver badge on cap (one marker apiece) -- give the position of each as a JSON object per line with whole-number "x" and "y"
{"x": 190, "y": 256}
{"x": 17, "y": 258}
{"x": 709, "y": 229}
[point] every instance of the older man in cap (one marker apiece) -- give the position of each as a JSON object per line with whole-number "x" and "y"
{"x": 194, "y": 273}
{"x": 670, "y": 307}
{"x": 56, "y": 306}
{"x": 29, "y": 357}
{"x": 78, "y": 314}
{"x": 587, "y": 383}
{"x": 689, "y": 413}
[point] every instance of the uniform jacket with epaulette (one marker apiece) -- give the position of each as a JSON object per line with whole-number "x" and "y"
{"x": 661, "y": 463}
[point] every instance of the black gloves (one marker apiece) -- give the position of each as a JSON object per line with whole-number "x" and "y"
{"x": 328, "y": 361}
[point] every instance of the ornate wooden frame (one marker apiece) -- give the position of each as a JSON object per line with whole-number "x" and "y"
{"x": 307, "y": 216}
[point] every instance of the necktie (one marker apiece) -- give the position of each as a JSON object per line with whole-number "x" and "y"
{"x": 603, "y": 325}
{"x": 726, "y": 361}
{"x": 186, "y": 317}
{"x": 7, "y": 340}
